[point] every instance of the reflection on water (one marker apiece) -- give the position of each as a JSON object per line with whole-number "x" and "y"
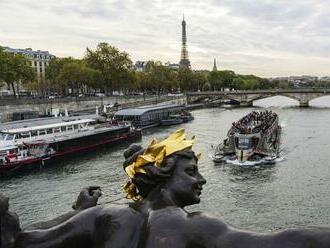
{"x": 291, "y": 193}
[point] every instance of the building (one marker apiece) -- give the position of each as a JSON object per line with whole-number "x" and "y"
{"x": 184, "y": 62}
{"x": 325, "y": 79}
{"x": 302, "y": 81}
{"x": 140, "y": 65}
{"x": 39, "y": 59}
{"x": 298, "y": 81}
{"x": 215, "y": 65}
{"x": 172, "y": 65}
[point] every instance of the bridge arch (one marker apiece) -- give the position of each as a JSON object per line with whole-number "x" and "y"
{"x": 276, "y": 101}
{"x": 321, "y": 101}
{"x": 264, "y": 96}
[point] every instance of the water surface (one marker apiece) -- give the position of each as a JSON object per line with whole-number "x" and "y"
{"x": 294, "y": 192}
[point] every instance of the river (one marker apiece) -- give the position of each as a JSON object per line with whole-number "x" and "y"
{"x": 291, "y": 193}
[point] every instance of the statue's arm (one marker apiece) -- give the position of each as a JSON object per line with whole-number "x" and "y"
{"x": 87, "y": 198}
{"x": 290, "y": 238}
{"x": 76, "y": 232}
{"x": 216, "y": 233}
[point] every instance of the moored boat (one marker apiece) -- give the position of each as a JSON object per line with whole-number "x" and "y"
{"x": 147, "y": 116}
{"x": 152, "y": 116}
{"x": 171, "y": 120}
{"x": 254, "y": 139}
{"x": 23, "y": 147}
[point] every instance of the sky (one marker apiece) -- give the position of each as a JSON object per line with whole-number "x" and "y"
{"x": 267, "y": 38}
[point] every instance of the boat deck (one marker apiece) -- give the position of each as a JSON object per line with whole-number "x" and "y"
{"x": 84, "y": 133}
{"x": 254, "y": 122}
{"x": 43, "y": 121}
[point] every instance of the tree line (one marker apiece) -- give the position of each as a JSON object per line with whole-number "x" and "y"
{"x": 106, "y": 69}
{"x": 15, "y": 70}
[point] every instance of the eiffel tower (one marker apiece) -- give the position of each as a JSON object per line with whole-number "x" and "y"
{"x": 184, "y": 62}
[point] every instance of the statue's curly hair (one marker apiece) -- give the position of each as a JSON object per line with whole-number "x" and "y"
{"x": 145, "y": 182}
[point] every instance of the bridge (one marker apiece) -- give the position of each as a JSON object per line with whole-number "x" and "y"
{"x": 246, "y": 98}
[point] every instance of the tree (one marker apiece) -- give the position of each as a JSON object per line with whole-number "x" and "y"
{"x": 114, "y": 65}
{"x": 186, "y": 79}
{"x": 199, "y": 80}
{"x": 247, "y": 82}
{"x": 215, "y": 81}
{"x": 15, "y": 69}
{"x": 53, "y": 71}
{"x": 161, "y": 78}
{"x": 78, "y": 76}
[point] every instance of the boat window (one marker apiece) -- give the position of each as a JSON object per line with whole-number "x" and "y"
{"x": 57, "y": 130}
{"x": 69, "y": 128}
{"x": 3, "y": 136}
{"x": 42, "y": 132}
{"x": 34, "y": 133}
{"x": 63, "y": 129}
{"x": 49, "y": 131}
{"x": 25, "y": 135}
{"x": 10, "y": 137}
{"x": 76, "y": 127}
{"x": 243, "y": 143}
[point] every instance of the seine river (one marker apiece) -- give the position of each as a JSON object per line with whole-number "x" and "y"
{"x": 294, "y": 192}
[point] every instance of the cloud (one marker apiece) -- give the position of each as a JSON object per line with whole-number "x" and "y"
{"x": 260, "y": 37}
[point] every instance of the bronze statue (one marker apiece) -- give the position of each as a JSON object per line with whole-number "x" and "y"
{"x": 164, "y": 178}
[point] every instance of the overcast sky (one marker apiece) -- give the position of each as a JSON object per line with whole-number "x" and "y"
{"x": 262, "y": 37}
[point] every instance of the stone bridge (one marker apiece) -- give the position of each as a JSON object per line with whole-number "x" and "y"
{"x": 246, "y": 98}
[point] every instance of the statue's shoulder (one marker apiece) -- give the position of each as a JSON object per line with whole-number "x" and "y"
{"x": 121, "y": 212}
{"x": 184, "y": 220}
{"x": 167, "y": 214}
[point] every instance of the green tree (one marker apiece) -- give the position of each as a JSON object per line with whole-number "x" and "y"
{"x": 199, "y": 80}
{"x": 53, "y": 71}
{"x": 226, "y": 78}
{"x": 15, "y": 69}
{"x": 79, "y": 77}
{"x": 114, "y": 65}
{"x": 186, "y": 79}
{"x": 161, "y": 78}
{"x": 247, "y": 82}
{"x": 214, "y": 79}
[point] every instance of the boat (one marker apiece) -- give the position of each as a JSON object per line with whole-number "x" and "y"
{"x": 148, "y": 116}
{"x": 254, "y": 139}
{"x": 23, "y": 145}
{"x": 171, "y": 120}
{"x": 182, "y": 117}
{"x": 186, "y": 116}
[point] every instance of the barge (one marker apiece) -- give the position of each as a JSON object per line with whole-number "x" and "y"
{"x": 254, "y": 139}
{"x": 24, "y": 145}
{"x": 148, "y": 116}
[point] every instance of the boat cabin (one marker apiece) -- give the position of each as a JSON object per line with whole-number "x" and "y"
{"x": 24, "y": 134}
{"x": 149, "y": 115}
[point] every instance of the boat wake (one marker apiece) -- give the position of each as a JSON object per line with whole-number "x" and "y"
{"x": 246, "y": 164}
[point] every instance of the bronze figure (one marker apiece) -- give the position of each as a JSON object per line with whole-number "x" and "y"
{"x": 163, "y": 183}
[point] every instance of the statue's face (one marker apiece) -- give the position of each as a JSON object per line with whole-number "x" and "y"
{"x": 186, "y": 183}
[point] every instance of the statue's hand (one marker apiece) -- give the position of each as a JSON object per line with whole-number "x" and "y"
{"x": 9, "y": 224}
{"x": 87, "y": 198}
{"x": 4, "y": 204}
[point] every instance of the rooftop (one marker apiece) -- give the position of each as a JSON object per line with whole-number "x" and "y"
{"x": 142, "y": 110}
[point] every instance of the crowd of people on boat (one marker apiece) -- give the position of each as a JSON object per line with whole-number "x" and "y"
{"x": 254, "y": 122}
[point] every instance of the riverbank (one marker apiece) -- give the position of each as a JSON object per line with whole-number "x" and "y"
{"x": 78, "y": 105}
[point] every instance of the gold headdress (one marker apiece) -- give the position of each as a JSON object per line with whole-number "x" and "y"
{"x": 156, "y": 153}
